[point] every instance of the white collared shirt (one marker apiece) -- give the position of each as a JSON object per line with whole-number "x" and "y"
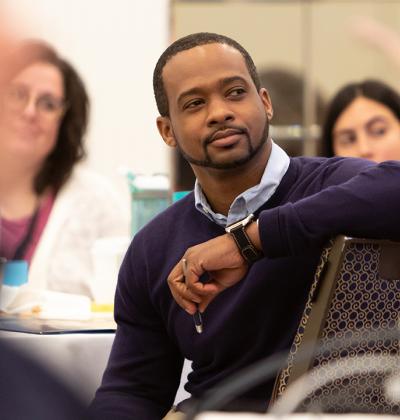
{"x": 252, "y": 199}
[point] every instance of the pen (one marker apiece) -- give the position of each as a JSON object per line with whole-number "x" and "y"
{"x": 198, "y": 322}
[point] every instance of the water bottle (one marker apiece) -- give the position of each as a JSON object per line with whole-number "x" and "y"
{"x": 149, "y": 196}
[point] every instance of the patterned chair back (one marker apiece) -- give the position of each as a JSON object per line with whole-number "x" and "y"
{"x": 355, "y": 299}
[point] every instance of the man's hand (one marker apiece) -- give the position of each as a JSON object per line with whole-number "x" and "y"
{"x": 223, "y": 264}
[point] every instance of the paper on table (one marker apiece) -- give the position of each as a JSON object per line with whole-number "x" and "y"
{"x": 44, "y": 304}
{"x": 14, "y": 299}
{"x": 58, "y": 305}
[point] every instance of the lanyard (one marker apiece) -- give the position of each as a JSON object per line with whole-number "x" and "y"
{"x": 23, "y": 245}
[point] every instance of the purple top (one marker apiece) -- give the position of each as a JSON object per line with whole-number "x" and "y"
{"x": 317, "y": 199}
{"x": 12, "y": 232}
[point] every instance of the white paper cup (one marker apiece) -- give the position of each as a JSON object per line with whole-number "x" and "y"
{"x": 107, "y": 255}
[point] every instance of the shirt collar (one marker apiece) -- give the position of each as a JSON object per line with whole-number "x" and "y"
{"x": 252, "y": 199}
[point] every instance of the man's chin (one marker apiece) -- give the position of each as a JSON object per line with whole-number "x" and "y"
{"x": 228, "y": 163}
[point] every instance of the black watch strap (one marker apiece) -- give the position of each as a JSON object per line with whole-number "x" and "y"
{"x": 249, "y": 252}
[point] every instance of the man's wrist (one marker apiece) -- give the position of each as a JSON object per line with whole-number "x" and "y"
{"x": 253, "y": 232}
{"x": 239, "y": 232}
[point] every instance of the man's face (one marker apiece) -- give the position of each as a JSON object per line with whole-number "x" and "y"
{"x": 217, "y": 117}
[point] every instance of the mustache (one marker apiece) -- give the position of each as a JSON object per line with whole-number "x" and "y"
{"x": 234, "y": 128}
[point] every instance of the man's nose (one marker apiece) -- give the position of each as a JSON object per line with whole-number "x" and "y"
{"x": 219, "y": 112}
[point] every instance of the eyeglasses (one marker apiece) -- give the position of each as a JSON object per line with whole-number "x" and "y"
{"x": 17, "y": 97}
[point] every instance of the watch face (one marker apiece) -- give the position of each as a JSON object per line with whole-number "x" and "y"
{"x": 241, "y": 223}
{"x": 248, "y": 219}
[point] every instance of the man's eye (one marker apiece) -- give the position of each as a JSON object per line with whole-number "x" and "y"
{"x": 193, "y": 104}
{"x": 236, "y": 92}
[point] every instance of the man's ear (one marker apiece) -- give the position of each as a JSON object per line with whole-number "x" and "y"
{"x": 266, "y": 100}
{"x": 165, "y": 129}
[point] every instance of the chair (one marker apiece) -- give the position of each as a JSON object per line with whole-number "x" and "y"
{"x": 347, "y": 342}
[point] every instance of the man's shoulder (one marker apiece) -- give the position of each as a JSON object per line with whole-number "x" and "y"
{"x": 343, "y": 168}
{"x": 320, "y": 161}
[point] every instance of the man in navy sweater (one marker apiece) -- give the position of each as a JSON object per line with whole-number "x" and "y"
{"x": 214, "y": 110}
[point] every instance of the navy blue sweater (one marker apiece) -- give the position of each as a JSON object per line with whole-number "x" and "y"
{"x": 317, "y": 199}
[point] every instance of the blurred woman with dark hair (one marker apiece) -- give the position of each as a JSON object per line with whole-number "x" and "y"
{"x": 363, "y": 120}
{"x": 51, "y": 211}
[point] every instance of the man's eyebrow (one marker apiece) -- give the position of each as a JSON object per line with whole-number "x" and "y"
{"x": 189, "y": 92}
{"x": 222, "y": 83}
{"x": 232, "y": 79}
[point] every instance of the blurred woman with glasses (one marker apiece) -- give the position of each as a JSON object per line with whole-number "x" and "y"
{"x": 51, "y": 210}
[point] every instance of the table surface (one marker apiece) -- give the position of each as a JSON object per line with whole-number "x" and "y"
{"x": 79, "y": 359}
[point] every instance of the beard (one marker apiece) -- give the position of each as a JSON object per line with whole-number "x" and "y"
{"x": 208, "y": 162}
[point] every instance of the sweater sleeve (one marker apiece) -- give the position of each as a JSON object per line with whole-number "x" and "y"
{"x": 144, "y": 368}
{"x": 366, "y": 205}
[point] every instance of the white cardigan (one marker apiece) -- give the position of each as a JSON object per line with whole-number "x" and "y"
{"x": 85, "y": 209}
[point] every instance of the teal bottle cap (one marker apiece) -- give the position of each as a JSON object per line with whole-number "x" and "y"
{"x": 177, "y": 195}
{"x": 15, "y": 273}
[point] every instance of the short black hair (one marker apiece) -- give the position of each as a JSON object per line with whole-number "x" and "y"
{"x": 372, "y": 89}
{"x": 186, "y": 43}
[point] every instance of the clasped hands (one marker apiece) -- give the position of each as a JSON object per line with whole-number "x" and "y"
{"x": 220, "y": 259}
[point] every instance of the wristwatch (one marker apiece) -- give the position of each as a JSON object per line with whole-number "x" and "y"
{"x": 246, "y": 247}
